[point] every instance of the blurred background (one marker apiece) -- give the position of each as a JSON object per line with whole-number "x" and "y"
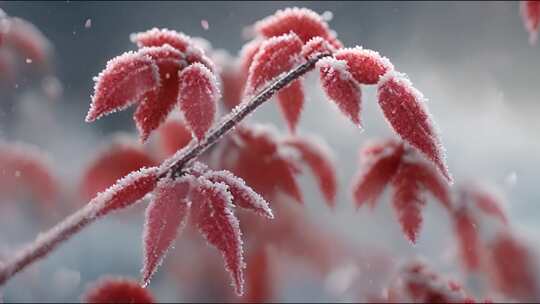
{"x": 471, "y": 60}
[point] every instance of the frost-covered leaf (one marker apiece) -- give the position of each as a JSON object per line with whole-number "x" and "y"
{"x": 174, "y": 135}
{"x": 319, "y": 160}
{"x": 243, "y": 195}
{"x": 232, "y": 78}
{"x": 123, "y": 82}
{"x": 160, "y": 37}
{"x": 379, "y": 162}
{"x": 512, "y": 268}
{"x": 366, "y": 66}
{"x": 183, "y": 43}
{"x": 218, "y": 224}
{"x": 198, "y": 96}
{"x": 489, "y": 204}
{"x": 427, "y": 176}
{"x": 247, "y": 53}
{"x": 26, "y": 171}
{"x": 408, "y": 201}
{"x": 530, "y": 13}
{"x": 316, "y": 45}
{"x": 291, "y": 102}
{"x": 276, "y": 56}
{"x": 117, "y": 290}
{"x": 403, "y": 106}
{"x": 157, "y": 104}
{"x": 245, "y": 58}
{"x": 165, "y": 216}
{"x": 302, "y": 21}
{"x": 258, "y": 277}
{"x": 467, "y": 233}
{"x": 340, "y": 87}
{"x": 126, "y": 191}
{"x": 112, "y": 162}
{"x": 260, "y": 164}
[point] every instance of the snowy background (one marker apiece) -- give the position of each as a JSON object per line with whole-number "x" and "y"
{"x": 471, "y": 60}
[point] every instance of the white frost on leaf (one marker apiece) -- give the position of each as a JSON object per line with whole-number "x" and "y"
{"x": 243, "y": 195}
{"x": 165, "y": 217}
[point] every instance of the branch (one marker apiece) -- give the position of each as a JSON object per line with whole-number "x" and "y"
{"x": 47, "y": 242}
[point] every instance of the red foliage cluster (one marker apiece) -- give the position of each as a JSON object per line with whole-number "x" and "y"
{"x": 290, "y": 37}
{"x": 169, "y": 68}
{"x": 504, "y": 258}
{"x": 472, "y": 207}
{"x": 513, "y": 268}
{"x": 212, "y": 194}
{"x": 391, "y": 163}
{"x": 270, "y": 164}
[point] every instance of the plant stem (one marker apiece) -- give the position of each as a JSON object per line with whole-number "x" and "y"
{"x": 48, "y": 241}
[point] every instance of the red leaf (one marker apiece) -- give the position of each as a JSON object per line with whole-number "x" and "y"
{"x": 366, "y": 66}
{"x": 258, "y": 278}
{"x": 403, "y": 106}
{"x": 243, "y": 195}
{"x": 260, "y": 164}
{"x": 160, "y": 37}
{"x": 286, "y": 181}
{"x": 429, "y": 179}
{"x": 408, "y": 201}
{"x": 174, "y": 135}
{"x": 247, "y": 53}
{"x": 26, "y": 39}
{"x": 317, "y": 157}
{"x": 316, "y": 45}
{"x": 126, "y": 191}
{"x": 218, "y": 224}
{"x": 468, "y": 237}
{"x": 25, "y": 169}
{"x": 179, "y": 41}
{"x": 117, "y": 290}
{"x": 276, "y": 56}
{"x": 380, "y": 163}
{"x": 291, "y": 102}
{"x": 302, "y": 21}
{"x": 198, "y": 95}
{"x": 490, "y": 205}
{"x": 124, "y": 81}
{"x": 232, "y": 81}
{"x": 530, "y": 13}
{"x": 340, "y": 87}
{"x": 157, "y": 104}
{"x": 512, "y": 269}
{"x": 114, "y": 161}
{"x": 165, "y": 217}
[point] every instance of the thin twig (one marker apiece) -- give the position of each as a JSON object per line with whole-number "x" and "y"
{"x": 48, "y": 241}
